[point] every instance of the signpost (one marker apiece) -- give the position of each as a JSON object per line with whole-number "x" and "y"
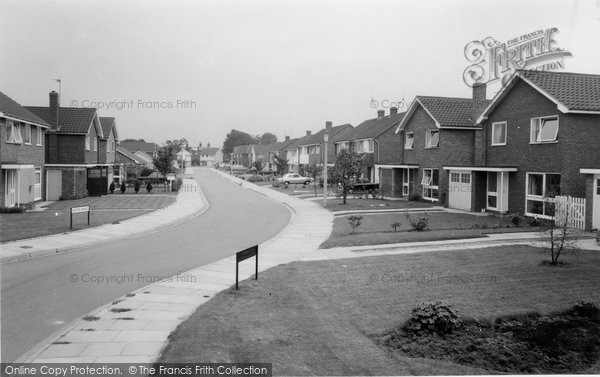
{"x": 81, "y": 209}
{"x": 243, "y": 255}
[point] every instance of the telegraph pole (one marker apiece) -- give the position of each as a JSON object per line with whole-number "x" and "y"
{"x": 325, "y": 139}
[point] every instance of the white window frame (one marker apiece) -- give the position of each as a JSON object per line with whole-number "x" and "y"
{"x": 409, "y": 143}
{"x": 40, "y": 137}
{"x": 27, "y": 138}
{"x": 37, "y": 187}
{"x": 87, "y": 142}
{"x": 95, "y": 143}
{"x": 536, "y": 126}
{"x": 429, "y": 136}
{"x": 429, "y": 187}
{"x": 13, "y": 132}
{"x": 498, "y": 124}
{"x": 538, "y": 198}
{"x": 491, "y": 193}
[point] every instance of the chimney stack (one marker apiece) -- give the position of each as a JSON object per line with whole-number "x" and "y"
{"x": 54, "y": 105}
{"x": 287, "y": 138}
{"x": 380, "y": 113}
{"x": 393, "y": 110}
{"x": 479, "y": 99}
{"x": 208, "y": 145}
{"x": 328, "y": 125}
{"x": 200, "y": 145}
{"x": 308, "y": 132}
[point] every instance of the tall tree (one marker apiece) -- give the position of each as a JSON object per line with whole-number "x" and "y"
{"x": 348, "y": 166}
{"x": 236, "y": 138}
{"x": 177, "y": 145}
{"x": 163, "y": 162}
{"x": 267, "y": 138}
{"x": 281, "y": 164}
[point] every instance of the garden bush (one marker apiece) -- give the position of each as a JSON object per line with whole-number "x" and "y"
{"x": 16, "y": 209}
{"x": 136, "y": 186}
{"x": 420, "y": 223}
{"x": 146, "y": 172}
{"x": 395, "y": 225}
{"x": 414, "y": 197}
{"x": 435, "y": 317}
{"x": 111, "y": 188}
{"x": 123, "y": 187}
{"x": 255, "y": 178}
{"x": 354, "y": 221}
{"x": 516, "y": 220}
{"x": 149, "y": 187}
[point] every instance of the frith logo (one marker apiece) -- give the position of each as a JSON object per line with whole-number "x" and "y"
{"x": 492, "y": 60}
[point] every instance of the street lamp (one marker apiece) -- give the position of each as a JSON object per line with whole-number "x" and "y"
{"x": 325, "y": 139}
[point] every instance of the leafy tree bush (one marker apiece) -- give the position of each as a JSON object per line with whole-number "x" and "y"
{"x": 354, "y": 221}
{"x": 149, "y": 187}
{"x": 414, "y": 197}
{"x": 420, "y": 223}
{"x": 111, "y": 188}
{"x": 136, "y": 186}
{"x": 516, "y": 220}
{"x": 255, "y": 178}
{"x": 123, "y": 187}
{"x": 15, "y": 209}
{"x": 348, "y": 165}
{"x": 395, "y": 225}
{"x": 146, "y": 172}
{"x": 436, "y": 317}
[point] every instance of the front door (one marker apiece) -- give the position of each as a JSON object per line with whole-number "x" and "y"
{"x": 408, "y": 178}
{"x": 97, "y": 181}
{"x": 596, "y": 206}
{"x": 459, "y": 190}
{"x": 11, "y": 187}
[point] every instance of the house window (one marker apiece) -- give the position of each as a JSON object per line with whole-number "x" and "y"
{"x": 544, "y": 130}
{"x": 432, "y": 138}
{"x": 365, "y": 146}
{"x": 40, "y": 136}
{"x": 37, "y": 184}
{"x": 87, "y": 142}
{"x": 27, "y": 134}
{"x": 13, "y": 132}
{"x": 499, "y": 133}
{"x": 430, "y": 184}
{"x": 541, "y": 188}
{"x": 410, "y": 140}
{"x": 492, "y": 190}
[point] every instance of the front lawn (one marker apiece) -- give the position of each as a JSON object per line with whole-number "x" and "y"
{"x": 322, "y": 318}
{"x": 335, "y": 205}
{"x": 376, "y": 229}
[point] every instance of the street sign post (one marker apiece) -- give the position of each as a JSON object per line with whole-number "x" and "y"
{"x": 81, "y": 209}
{"x": 243, "y": 255}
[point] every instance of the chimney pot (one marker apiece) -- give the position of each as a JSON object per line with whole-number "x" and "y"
{"x": 287, "y": 138}
{"x": 393, "y": 110}
{"x": 380, "y": 113}
{"x": 328, "y": 125}
{"x": 54, "y": 105}
{"x": 308, "y": 132}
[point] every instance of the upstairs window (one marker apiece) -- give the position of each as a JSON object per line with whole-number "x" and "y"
{"x": 365, "y": 146}
{"x": 40, "y": 136}
{"x": 499, "y": 133}
{"x": 432, "y": 139}
{"x": 410, "y": 140}
{"x": 27, "y": 134}
{"x": 544, "y": 130}
{"x": 87, "y": 142}
{"x": 13, "y": 132}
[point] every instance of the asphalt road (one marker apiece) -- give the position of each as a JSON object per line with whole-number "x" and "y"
{"x": 38, "y": 297}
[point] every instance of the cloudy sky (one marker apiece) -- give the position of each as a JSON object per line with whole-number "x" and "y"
{"x": 173, "y": 69}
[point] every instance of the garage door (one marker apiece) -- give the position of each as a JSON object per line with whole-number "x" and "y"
{"x": 459, "y": 190}
{"x": 54, "y": 184}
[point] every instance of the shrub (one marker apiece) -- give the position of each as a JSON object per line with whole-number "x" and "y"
{"x": 354, "y": 221}
{"x": 149, "y": 187}
{"x": 534, "y": 221}
{"x": 516, "y": 220}
{"x": 435, "y": 317}
{"x": 146, "y": 172}
{"x": 395, "y": 225}
{"x": 136, "y": 186}
{"x": 123, "y": 187}
{"x": 111, "y": 188}
{"x": 276, "y": 184}
{"x": 16, "y": 209}
{"x": 420, "y": 223}
{"x": 255, "y": 178}
{"x": 585, "y": 309}
{"x": 415, "y": 196}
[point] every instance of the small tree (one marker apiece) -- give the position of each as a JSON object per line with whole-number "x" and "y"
{"x": 314, "y": 171}
{"x": 163, "y": 162}
{"x": 111, "y": 188}
{"x": 258, "y": 165}
{"x": 354, "y": 221}
{"x": 136, "y": 186}
{"x": 123, "y": 186}
{"x": 558, "y": 238}
{"x": 348, "y": 165}
{"x": 149, "y": 187}
{"x": 281, "y": 165}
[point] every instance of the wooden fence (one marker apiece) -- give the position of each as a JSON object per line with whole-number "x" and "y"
{"x": 572, "y": 209}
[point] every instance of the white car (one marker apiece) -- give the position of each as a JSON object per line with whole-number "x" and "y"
{"x": 294, "y": 178}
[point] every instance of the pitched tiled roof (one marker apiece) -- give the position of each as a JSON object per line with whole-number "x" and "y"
{"x": 208, "y": 151}
{"x": 371, "y": 128}
{"x": 134, "y": 146}
{"x": 107, "y": 125}
{"x": 576, "y": 91}
{"x": 130, "y": 155}
{"x": 451, "y": 112}
{"x": 12, "y": 109}
{"x": 318, "y": 137}
{"x": 71, "y": 120}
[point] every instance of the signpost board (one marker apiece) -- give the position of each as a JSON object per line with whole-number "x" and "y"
{"x": 81, "y": 209}
{"x": 243, "y": 255}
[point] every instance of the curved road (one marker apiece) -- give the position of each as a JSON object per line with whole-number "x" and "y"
{"x": 38, "y": 297}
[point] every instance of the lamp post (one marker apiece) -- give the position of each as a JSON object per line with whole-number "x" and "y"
{"x": 325, "y": 139}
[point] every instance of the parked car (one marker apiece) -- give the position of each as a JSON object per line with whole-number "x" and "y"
{"x": 294, "y": 178}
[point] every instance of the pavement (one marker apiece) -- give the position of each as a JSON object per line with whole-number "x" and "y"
{"x": 189, "y": 203}
{"x": 135, "y": 327}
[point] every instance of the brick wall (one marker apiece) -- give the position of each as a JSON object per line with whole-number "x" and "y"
{"x": 388, "y": 147}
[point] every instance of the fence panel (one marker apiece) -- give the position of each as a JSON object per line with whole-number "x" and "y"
{"x": 572, "y": 209}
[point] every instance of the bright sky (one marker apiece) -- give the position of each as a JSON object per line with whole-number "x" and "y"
{"x": 262, "y": 66}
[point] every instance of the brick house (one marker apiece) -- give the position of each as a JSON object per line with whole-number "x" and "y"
{"x": 246, "y": 155}
{"x": 129, "y": 163}
{"x": 540, "y": 137}
{"x": 436, "y": 132}
{"x": 275, "y": 149}
{"x": 21, "y": 154}
{"x": 74, "y": 167}
{"x": 311, "y": 147}
{"x": 107, "y": 146}
{"x": 207, "y": 156}
{"x": 377, "y": 140}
